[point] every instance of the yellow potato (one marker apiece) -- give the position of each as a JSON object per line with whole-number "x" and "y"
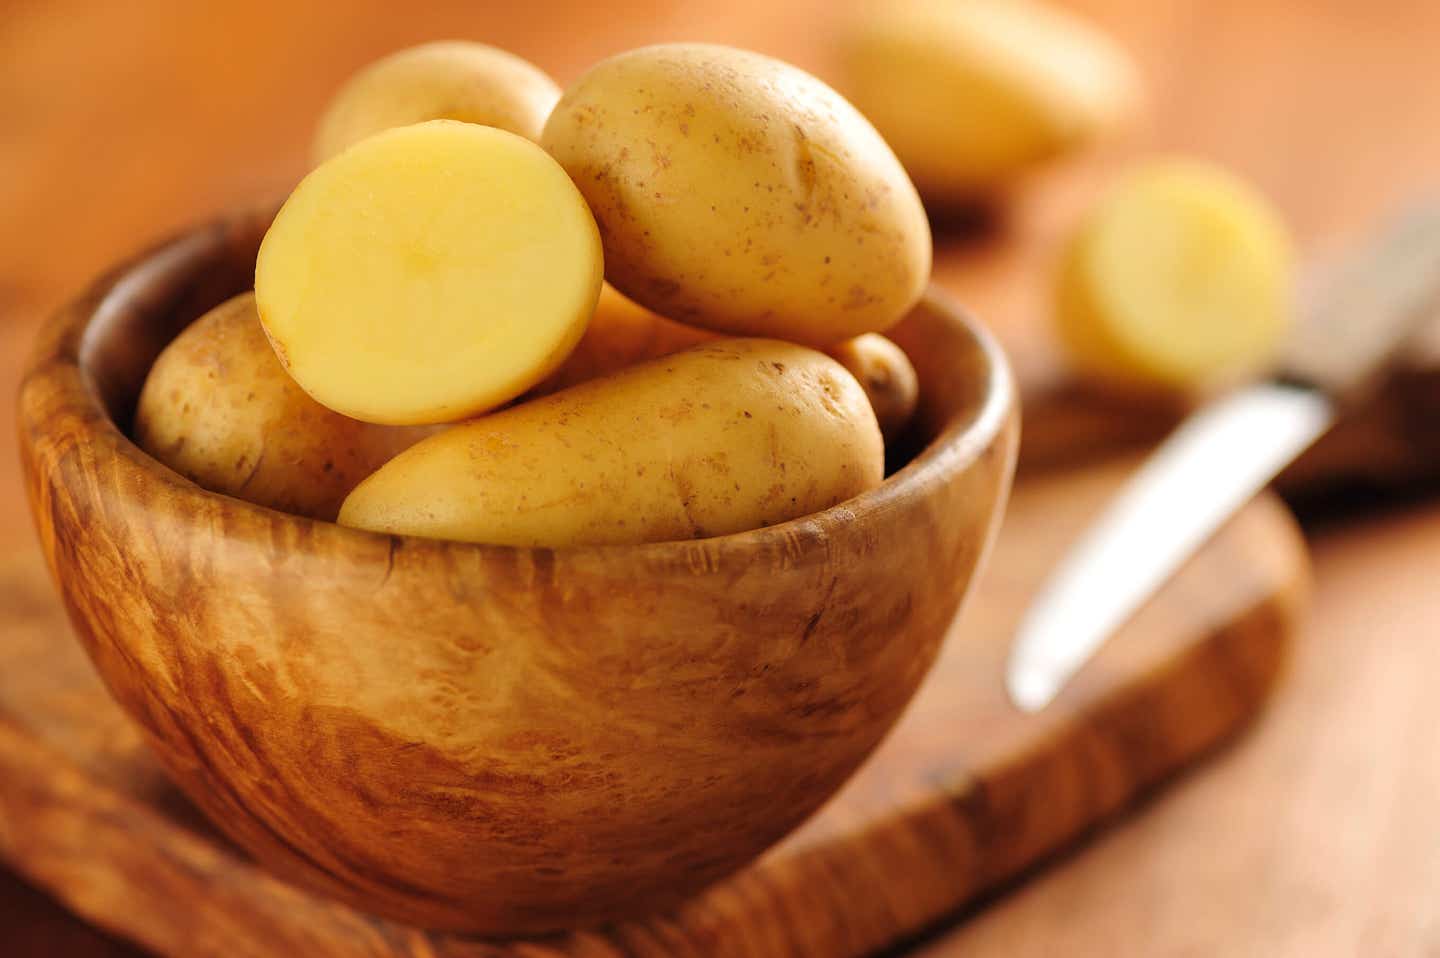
{"x": 218, "y": 408}
{"x": 1179, "y": 278}
{"x": 885, "y": 373}
{"x": 621, "y": 334}
{"x": 428, "y": 273}
{"x": 971, "y": 92}
{"x": 449, "y": 80}
{"x": 739, "y": 193}
{"x": 720, "y": 438}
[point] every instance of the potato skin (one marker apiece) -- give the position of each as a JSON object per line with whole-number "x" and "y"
{"x": 739, "y": 193}
{"x": 446, "y": 80}
{"x": 621, "y": 333}
{"x": 218, "y": 408}
{"x": 885, "y": 373}
{"x": 721, "y": 438}
{"x": 972, "y": 94}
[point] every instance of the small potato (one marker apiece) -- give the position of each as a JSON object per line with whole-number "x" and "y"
{"x": 218, "y": 408}
{"x": 720, "y": 438}
{"x": 449, "y": 80}
{"x": 972, "y": 93}
{"x": 1180, "y": 278}
{"x": 885, "y": 373}
{"x": 739, "y": 193}
{"x": 428, "y": 273}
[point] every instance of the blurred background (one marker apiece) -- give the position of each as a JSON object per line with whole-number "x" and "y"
{"x": 122, "y": 122}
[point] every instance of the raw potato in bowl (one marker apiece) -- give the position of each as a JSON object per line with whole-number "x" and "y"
{"x": 428, "y": 273}
{"x": 219, "y": 409}
{"x": 885, "y": 373}
{"x": 623, "y": 333}
{"x": 723, "y": 437}
{"x": 739, "y": 193}
{"x": 446, "y": 80}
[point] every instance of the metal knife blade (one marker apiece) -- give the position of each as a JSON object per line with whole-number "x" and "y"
{"x": 1162, "y": 516}
{"x": 1225, "y": 454}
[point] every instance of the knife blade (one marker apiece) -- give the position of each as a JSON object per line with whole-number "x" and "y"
{"x": 1220, "y": 457}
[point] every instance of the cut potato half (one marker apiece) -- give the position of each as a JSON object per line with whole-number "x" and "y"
{"x": 1180, "y": 278}
{"x": 429, "y": 273}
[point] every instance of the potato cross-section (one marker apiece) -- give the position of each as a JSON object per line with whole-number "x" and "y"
{"x": 428, "y": 273}
{"x": 1180, "y": 278}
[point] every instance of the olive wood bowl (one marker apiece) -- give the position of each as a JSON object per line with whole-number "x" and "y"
{"x": 490, "y": 739}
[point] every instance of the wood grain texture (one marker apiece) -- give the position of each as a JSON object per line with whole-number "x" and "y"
{"x": 1316, "y": 835}
{"x": 491, "y": 739}
{"x": 964, "y": 795}
{"x": 1313, "y": 838}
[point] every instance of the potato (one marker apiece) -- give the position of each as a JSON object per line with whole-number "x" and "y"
{"x": 449, "y": 80}
{"x": 621, "y": 334}
{"x": 739, "y": 193}
{"x": 428, "y": 273}
{"x": 885, "y": 373}
{"x": 720, "y": 438}
{"x": 218, "y": 408}
{"x": 1180, "y": 278}
{"x": 972, "y": 93}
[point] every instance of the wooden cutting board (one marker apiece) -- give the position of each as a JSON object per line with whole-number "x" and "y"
{"x": 965, "y": 795}
{"x": 1389, "y": 443}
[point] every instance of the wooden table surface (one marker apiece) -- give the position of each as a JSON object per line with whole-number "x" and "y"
{"x": 1316, "y": 835}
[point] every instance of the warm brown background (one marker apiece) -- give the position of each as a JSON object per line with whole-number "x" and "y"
{"x": 1319, "y": 834}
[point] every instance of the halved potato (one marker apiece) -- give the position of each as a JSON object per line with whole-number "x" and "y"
{"x": 429, "y": 273}
{"x": 1179, "y": 278}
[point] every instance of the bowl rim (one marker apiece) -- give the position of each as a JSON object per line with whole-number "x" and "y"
{"x": 55, "y": 362}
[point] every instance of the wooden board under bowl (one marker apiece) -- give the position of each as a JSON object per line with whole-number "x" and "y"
{"x": 966, "y": 794}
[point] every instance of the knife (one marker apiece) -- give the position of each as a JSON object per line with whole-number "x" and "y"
{"x": 1220, "y": 457}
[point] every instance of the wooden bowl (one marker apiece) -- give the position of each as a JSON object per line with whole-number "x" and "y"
{"x": 489, "y": 739}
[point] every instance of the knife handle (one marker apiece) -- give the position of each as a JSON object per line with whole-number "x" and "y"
{"x": 1370, "y": 311}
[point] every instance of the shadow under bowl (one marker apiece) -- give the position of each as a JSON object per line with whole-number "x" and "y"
{"x": 490, "y": 739}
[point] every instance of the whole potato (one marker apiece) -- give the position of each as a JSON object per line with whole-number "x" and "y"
{"x": 219, "y": 409}
{"x": 448, "y": 80}
{"x": 972, "y": 93}
{"x": 720, "y": 438}
{"x": 885, "y": 373}
{"x": 739, "y": 193}
{"x": 622, "y": 334}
